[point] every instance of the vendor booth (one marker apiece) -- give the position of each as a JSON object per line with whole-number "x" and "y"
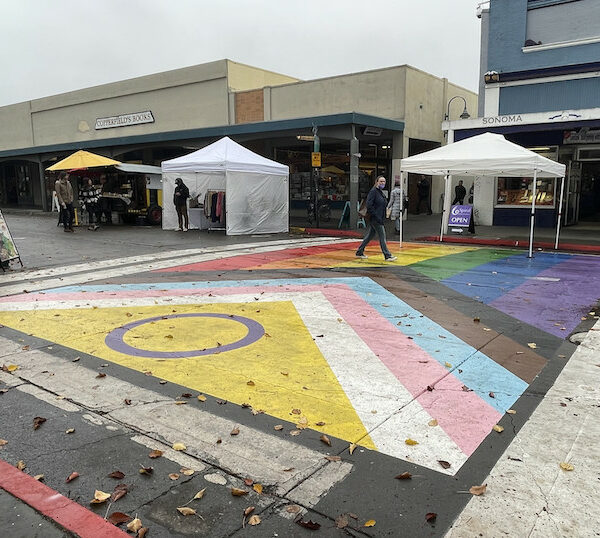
{"x": 487, "y": 155}
{"x": 231, "y": 188}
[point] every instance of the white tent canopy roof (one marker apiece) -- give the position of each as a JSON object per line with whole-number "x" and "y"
{"x": 224, "y": 155}
{"x": 487, "y": 154}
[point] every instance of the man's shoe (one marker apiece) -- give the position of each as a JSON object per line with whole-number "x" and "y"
{"x": 391, "y": 259}
{"x": 362, "y": 256}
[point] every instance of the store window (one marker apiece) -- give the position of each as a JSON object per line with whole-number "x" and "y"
{"x": 517, "y": 191}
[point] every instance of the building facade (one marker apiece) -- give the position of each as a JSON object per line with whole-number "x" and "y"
{"x": 375, "y": 117}
{"x": 540, "y": 87}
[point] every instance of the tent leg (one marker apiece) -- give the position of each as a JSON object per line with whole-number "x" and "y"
{"x": 533, "y": 191}
{"x": 446, "y": 177}
{"x": 401, "y": 208}
{"x": 560, "y": 204}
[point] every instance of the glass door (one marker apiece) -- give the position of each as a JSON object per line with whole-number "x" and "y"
{"x": 572, "y": 193}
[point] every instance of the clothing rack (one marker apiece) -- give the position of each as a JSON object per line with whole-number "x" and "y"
{"x": 214, "y": 209}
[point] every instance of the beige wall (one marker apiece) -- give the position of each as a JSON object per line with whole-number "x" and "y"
{"x": 15, "y": 126}
{"x": 245, "y": 77}
{"x": 379, "y": 93}
{"x": 426, "y": 103}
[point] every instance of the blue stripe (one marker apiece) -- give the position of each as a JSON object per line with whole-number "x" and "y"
{"x": 481, "y": 284}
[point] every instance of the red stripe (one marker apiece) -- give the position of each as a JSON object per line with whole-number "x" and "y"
{"x": 252, "y": 260}
{"x": 67, "y": 513}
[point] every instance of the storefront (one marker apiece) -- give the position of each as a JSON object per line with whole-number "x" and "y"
{"x": 571, "y": 138}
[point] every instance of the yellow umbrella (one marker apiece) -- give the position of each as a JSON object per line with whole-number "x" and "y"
{"x": 333, "y": 170}
{"x": 82, "y": 159}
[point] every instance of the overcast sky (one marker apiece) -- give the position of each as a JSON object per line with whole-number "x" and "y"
{"x": 53, "y": 46}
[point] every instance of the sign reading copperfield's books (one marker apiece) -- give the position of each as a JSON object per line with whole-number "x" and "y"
{"x": 125, "y": 120}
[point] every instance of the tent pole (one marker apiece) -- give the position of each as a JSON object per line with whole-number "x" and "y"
{"x": 532, "y": 214}
{"x": 446, "y": 177}
{"x": 401, "y": 207}
{"x": 560, "y": 204}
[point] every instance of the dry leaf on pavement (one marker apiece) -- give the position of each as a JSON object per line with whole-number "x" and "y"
{"x": 39, "y": 477}
{"x": 404, "y": 476}
{"x": 200, "y": 494}
{"x": 341, "y": 522}
{"x": 21, "y": 465}
{"x": 333, "y": 458}
{"x": 235, "y": 431}
{"x": 351, "y": 448}
{"x": 430, "y": 517}
{"x": 254, "y": 520}
{"x": 37, "y": 422}
{"x": 118, "y": 517}
{"x": 444, "y": 464}
{"x": 119, "y": 491}
{"x": 100, "y": 497}
{"x": 478, "y": 490}
{"x": 146, "y": 470}
{"x": 174, "y": 476}
{"x": 179, "y": 446}
{"x": 312, "y": 525}
{"x": 566, "y": 466}
{"x": 411, "y": 442}
{"x": 325, "y": 439}
{"x": 3, "y": 442}
{"x": 201, "y": 397}
{"x": 498, "y": 429}
{"x": 186, "y": 511}
{"x": 278, "y": 428}
{"x": 370, "y": 523}
{"x": 72, "y": 477}
{"x": 135, "y": 525}
{"x": 236, "y": 492}
{"x": 432, "y": 422}
{"x": 258, "y": 488}
{"x": 70, "y": 430}
{"x": 117, "y": 474}
{"x": 186, "y": 471}
{"x": 532, "y": 345}
{"x": 155, "y": 454}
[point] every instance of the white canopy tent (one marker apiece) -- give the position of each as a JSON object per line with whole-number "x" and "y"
{"x": 256, "y": 189}
{"x": 486, "y": 155}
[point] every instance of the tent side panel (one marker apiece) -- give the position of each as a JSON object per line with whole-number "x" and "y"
{"x": 257, "y": 203}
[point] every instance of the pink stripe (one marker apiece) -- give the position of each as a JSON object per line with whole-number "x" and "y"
{"x": 67, "y": 513}
{"x": 464, "y": 416}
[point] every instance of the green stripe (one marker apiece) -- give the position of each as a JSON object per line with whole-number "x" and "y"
{"x": 452, "y": 264}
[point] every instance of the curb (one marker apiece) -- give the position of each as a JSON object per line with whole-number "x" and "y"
{"x": 513, "y": 243}
{"x": 325, "y": 231}
{"x": 63, "y": 511}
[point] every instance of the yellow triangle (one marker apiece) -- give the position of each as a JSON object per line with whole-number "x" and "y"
{"x": 285, "y": 367}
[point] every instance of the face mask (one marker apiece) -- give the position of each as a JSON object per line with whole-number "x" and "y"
{"x": 381, "y": 186}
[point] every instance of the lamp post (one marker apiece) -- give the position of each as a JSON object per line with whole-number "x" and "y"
{"x": 448, "y": 179}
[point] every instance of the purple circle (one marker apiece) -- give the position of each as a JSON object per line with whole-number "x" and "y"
{"x": 115, "y": 338}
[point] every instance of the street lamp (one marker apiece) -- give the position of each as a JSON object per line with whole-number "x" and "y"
{"x": 465, "y": 115}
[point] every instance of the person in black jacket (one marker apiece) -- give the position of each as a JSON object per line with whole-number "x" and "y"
{"x": 376, "y": 206}
{"x": 180, "y": 196}
{"x": 459, "y": 194}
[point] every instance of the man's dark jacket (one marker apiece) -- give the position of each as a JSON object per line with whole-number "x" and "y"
{"x": 376, "y": 204}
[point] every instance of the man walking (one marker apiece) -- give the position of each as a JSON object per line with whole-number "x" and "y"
{"x": 376, "y": 206}
{"x": 64, "y": 194}
{"x": 423, "y": 192}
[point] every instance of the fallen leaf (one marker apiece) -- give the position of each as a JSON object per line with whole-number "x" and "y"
{"x": 313, "y": 526}
{"x": 179, "y": 446}
{"x": 135, "y": 525}
{"x": 352, "y": 448}
{"x": 491, "y": 395}
{"x": 248, "y": 481}
{"x": 21, "y": 465}
{"x": 532, "y": 345}
{"x": 219, "y": 441}
{"x": 296, "y": 412}
{"x": 478, "y": 490}
{"x": 155, "y": 454}
{"x": 236, "y": 492}
{"x": 119, "y": 491}
{"x": 127, "y": 401}
{"x": 411, "y": 442}
{"x": 511, "y": 411}
{"x": 200, "y": 494}
{"x": 341, "y": 522}
{"x": 186, "y": 395}
{"x": 169, "y": 336}
{"x": 370, "y": 523}
{"x": 254, "y": 520}
{"x": 76, "y": 359}
{"x": 566, "y": 466}
{"x": 447, "y": 365}
{"x": 186, "y": 511}
{"x": 201, "y": 397}
{"x": 146, "y": 470}
{"x": 142, "y": 532}
{"x": 432, "y": 422}
{"x": 498, "y": 429}
{"x": 173, "y": 476}
{"x": 320, "y": 423}
{"x": 10, "y": 368}
{"x": 250, "y": 383}
{"x": 101, "y": 375}
{"x": 179, "y": 402}
{"x": 476, "y": 320}
{"x": 186, "y": 471}
{"x": 37, "y": 422}
{"x": 70, "y": 430}
{"x": 333, "y": 458}
{"x": 293, "y": 509}
{"x": 278, "y": 428}
{"x": 258, "y": 488}
{"x": 39, "y": 477}
{"x": 3, "y": 442}
{"x": 72, "y": 477}
{"x": 235, "y": 431}
{"x": 100, "y": 497}
{"x": 295, "y": 432}
{"x": 285, "y": 373}
{"x": 117, "y": 474}
{"x": 404, "y": 476}
{"x": 248, "y": 511}
{"x": 325, "y": 439}
{"x": 430, "y": 517}
{"x": 118, "y": 517}
{"x": 444, "y": 464}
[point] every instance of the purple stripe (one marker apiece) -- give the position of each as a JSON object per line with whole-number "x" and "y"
{"x": 551, "y": 305}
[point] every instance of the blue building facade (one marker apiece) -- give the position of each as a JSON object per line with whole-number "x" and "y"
{"x": 540, "y": 87}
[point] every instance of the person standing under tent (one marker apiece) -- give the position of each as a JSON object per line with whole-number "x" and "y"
{"x": 459, "y": 194}
{"x": 90, "y": 195}
{"x": 423, "y": 192}
{"x": 395, "y": 205}
{"x": 64, "y": 194}
{"x": 376, "y": 206}
{"x": 180, "y": 196}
